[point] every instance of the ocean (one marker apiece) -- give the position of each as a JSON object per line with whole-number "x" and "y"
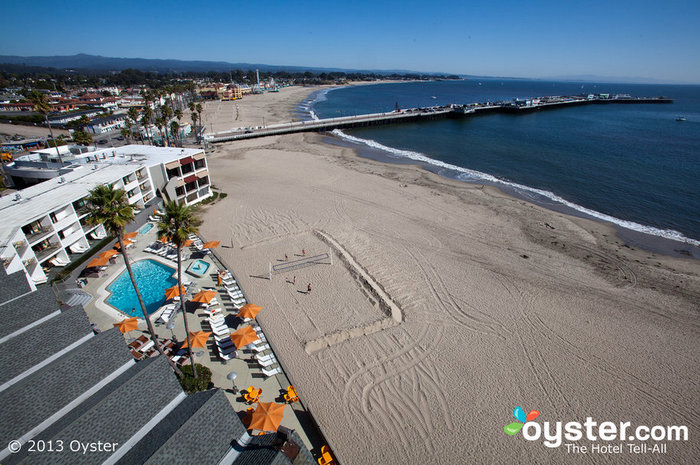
{"x": 632, "y": 165}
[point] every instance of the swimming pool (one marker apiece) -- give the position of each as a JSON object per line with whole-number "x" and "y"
{"x": 145, "y": 228}
{"x": 198, "y": 268}
{"x": 153, "y": 279}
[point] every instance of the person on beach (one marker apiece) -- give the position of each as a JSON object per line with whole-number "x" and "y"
{"x": 303, "y": 251}
{"x": 308, "y": 289}
{"x": 294, "y": 280}
{"x": 286, "y": 258}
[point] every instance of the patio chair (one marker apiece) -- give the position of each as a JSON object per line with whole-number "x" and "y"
{"x": 265, "y": 357}
{"x": 260, "y": 348}
{"x": 138, "y": 342}
{"x": 326, "y": 458}
{"x": 268, "y": 363}
{"x": 291, "y": 394}
{"x": 137, "y": 355}
{"x": 274, "y": 371}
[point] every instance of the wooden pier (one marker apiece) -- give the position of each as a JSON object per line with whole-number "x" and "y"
{"x": 420, "y": 114}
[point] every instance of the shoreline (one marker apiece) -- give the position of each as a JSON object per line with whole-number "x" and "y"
{"x": 647, "y": 241}
{"x": 501, "y": 301}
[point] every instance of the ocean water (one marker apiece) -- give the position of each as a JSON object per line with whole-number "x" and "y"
{"x": 633, "y": 165}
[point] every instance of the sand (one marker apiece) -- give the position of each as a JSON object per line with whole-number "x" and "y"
{"x": 29, "y": 132}
{"x": 448, "y": 304}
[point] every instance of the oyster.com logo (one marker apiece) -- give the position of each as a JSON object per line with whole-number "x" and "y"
{"x": 519, "y": 414}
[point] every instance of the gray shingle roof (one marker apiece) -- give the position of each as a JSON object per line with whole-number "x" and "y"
{"x": 51, "y": 336}
{"x": 160, "y": 433}
{"x": 120, "y": 414}
{"x": 13, "y": 285}
{"x": 206, "y": 435}
{"x": 19, "y": 313}
{"x": 38, "y": 396}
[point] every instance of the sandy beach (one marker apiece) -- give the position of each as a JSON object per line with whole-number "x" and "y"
{"x": 446, "y": 304}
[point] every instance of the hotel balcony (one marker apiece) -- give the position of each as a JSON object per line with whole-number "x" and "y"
{"x": 30, "y": 265}
{"x": 40, "y": 234}
{"x": 21, "y": 247}
{"x": 47, "y": 252}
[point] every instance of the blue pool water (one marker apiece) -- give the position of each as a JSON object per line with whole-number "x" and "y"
{"x": 153, "y": 279}
{"x": 198, "y": 268}
{"x": 145, "y": 228}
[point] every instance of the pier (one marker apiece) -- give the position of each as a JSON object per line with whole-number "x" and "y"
{"x": 425, "y": 114}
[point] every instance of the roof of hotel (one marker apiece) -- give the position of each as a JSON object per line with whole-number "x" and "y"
{"x": 13, "y": 286}
{"x": 18, "y": 313}
{"x": 121, "y": 413}
{"x": 95, "y": 391}
{"x": 53, "y": 336}
{"x": 41, "y": 394}
{"x": 40, "y": 199}
{"x": 206, "y": 434}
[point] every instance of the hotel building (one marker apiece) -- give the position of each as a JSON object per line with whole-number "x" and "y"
{"x": 46, "y": 224}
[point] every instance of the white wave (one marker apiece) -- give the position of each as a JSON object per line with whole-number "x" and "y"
{"x": 466, "y": 174}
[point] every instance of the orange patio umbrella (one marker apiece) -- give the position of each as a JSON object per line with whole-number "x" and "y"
{"x": 188, "y": 243}
{"x": 249, "y": 311}
{"x": 204, "y": 297}
{"x": 127, "y": 325}
{"x": 131, "y": 235}
{"x": 99, "y": 261}
{"x": 198, "y": 339}
{"x": 126, "y": 242}
{"x": 172, "y": 292}
{"x": 267, "y": 416}
{"x": 108, "y": 253}
{"x": 211, "y": 244}
{"x": 155, "y": 211}
{"x": 164, "y": 239}
{"x": 244, "y": 336}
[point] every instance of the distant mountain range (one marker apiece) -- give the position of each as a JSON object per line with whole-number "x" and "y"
{"x": 82, "y": 61}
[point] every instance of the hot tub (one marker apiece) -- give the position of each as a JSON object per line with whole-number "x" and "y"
{"x": 198, "y": 268}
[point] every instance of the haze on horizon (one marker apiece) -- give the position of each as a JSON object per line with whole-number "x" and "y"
{"x": 538, "y": 39}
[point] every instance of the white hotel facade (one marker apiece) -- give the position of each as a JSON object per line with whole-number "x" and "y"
{"x": 46, "y": 224}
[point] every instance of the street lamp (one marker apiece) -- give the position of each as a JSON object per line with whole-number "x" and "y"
{"x": 232, "y": 377}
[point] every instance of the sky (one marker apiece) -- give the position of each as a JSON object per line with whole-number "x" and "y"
{"x": 653, "y": 40}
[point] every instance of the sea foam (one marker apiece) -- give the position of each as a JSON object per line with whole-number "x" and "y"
{"x": 466, "y": 174}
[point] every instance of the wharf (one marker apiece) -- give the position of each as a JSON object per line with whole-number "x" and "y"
{"x": 423, "y": 114}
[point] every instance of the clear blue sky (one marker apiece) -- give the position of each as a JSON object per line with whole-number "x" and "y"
{"x": 618, "y": 38}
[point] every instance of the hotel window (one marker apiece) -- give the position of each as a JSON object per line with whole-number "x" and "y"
{"x": 188, "y": 168}
{"x": 173, "y": 173}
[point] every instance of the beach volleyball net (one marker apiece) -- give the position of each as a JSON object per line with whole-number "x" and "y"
{"x": 289, "y": 265}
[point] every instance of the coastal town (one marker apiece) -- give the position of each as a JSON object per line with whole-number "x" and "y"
{"x": 307, "y": 234}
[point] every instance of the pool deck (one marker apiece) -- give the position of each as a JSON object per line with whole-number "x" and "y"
{"x": 247, "y": 370}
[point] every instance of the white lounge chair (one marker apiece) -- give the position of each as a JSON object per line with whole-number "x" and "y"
{"x": 261, "y": 348}
{"x": 274, "y": 371}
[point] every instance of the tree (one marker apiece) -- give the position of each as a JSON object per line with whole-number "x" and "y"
{"x": 41, "y": 105}
{"x": 175, "y": 129}
{"x": 126, "y": 132}
{"x": 81, "y": 137}
{"x": 160, "y": 124}
{"x": 146, "y": 117}
{"x": 199, "y": 111}
{"x": 194, "y": 121}
{"x": 176, "y": 223}
{"x": 110, "y": 208}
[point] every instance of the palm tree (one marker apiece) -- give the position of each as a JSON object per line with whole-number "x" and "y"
{"x": 110, "y": 208}
{"x": 41, "y": 105}
{"x": 146, "y": 117}
{"x": 199, "y": 110}
{"x": 175, "y": 130}
{"x": 177, "y": 223}
{"x": 160, "y": 124}
{"x": 132, "y": 117}
{"x": 194, "y": 121}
